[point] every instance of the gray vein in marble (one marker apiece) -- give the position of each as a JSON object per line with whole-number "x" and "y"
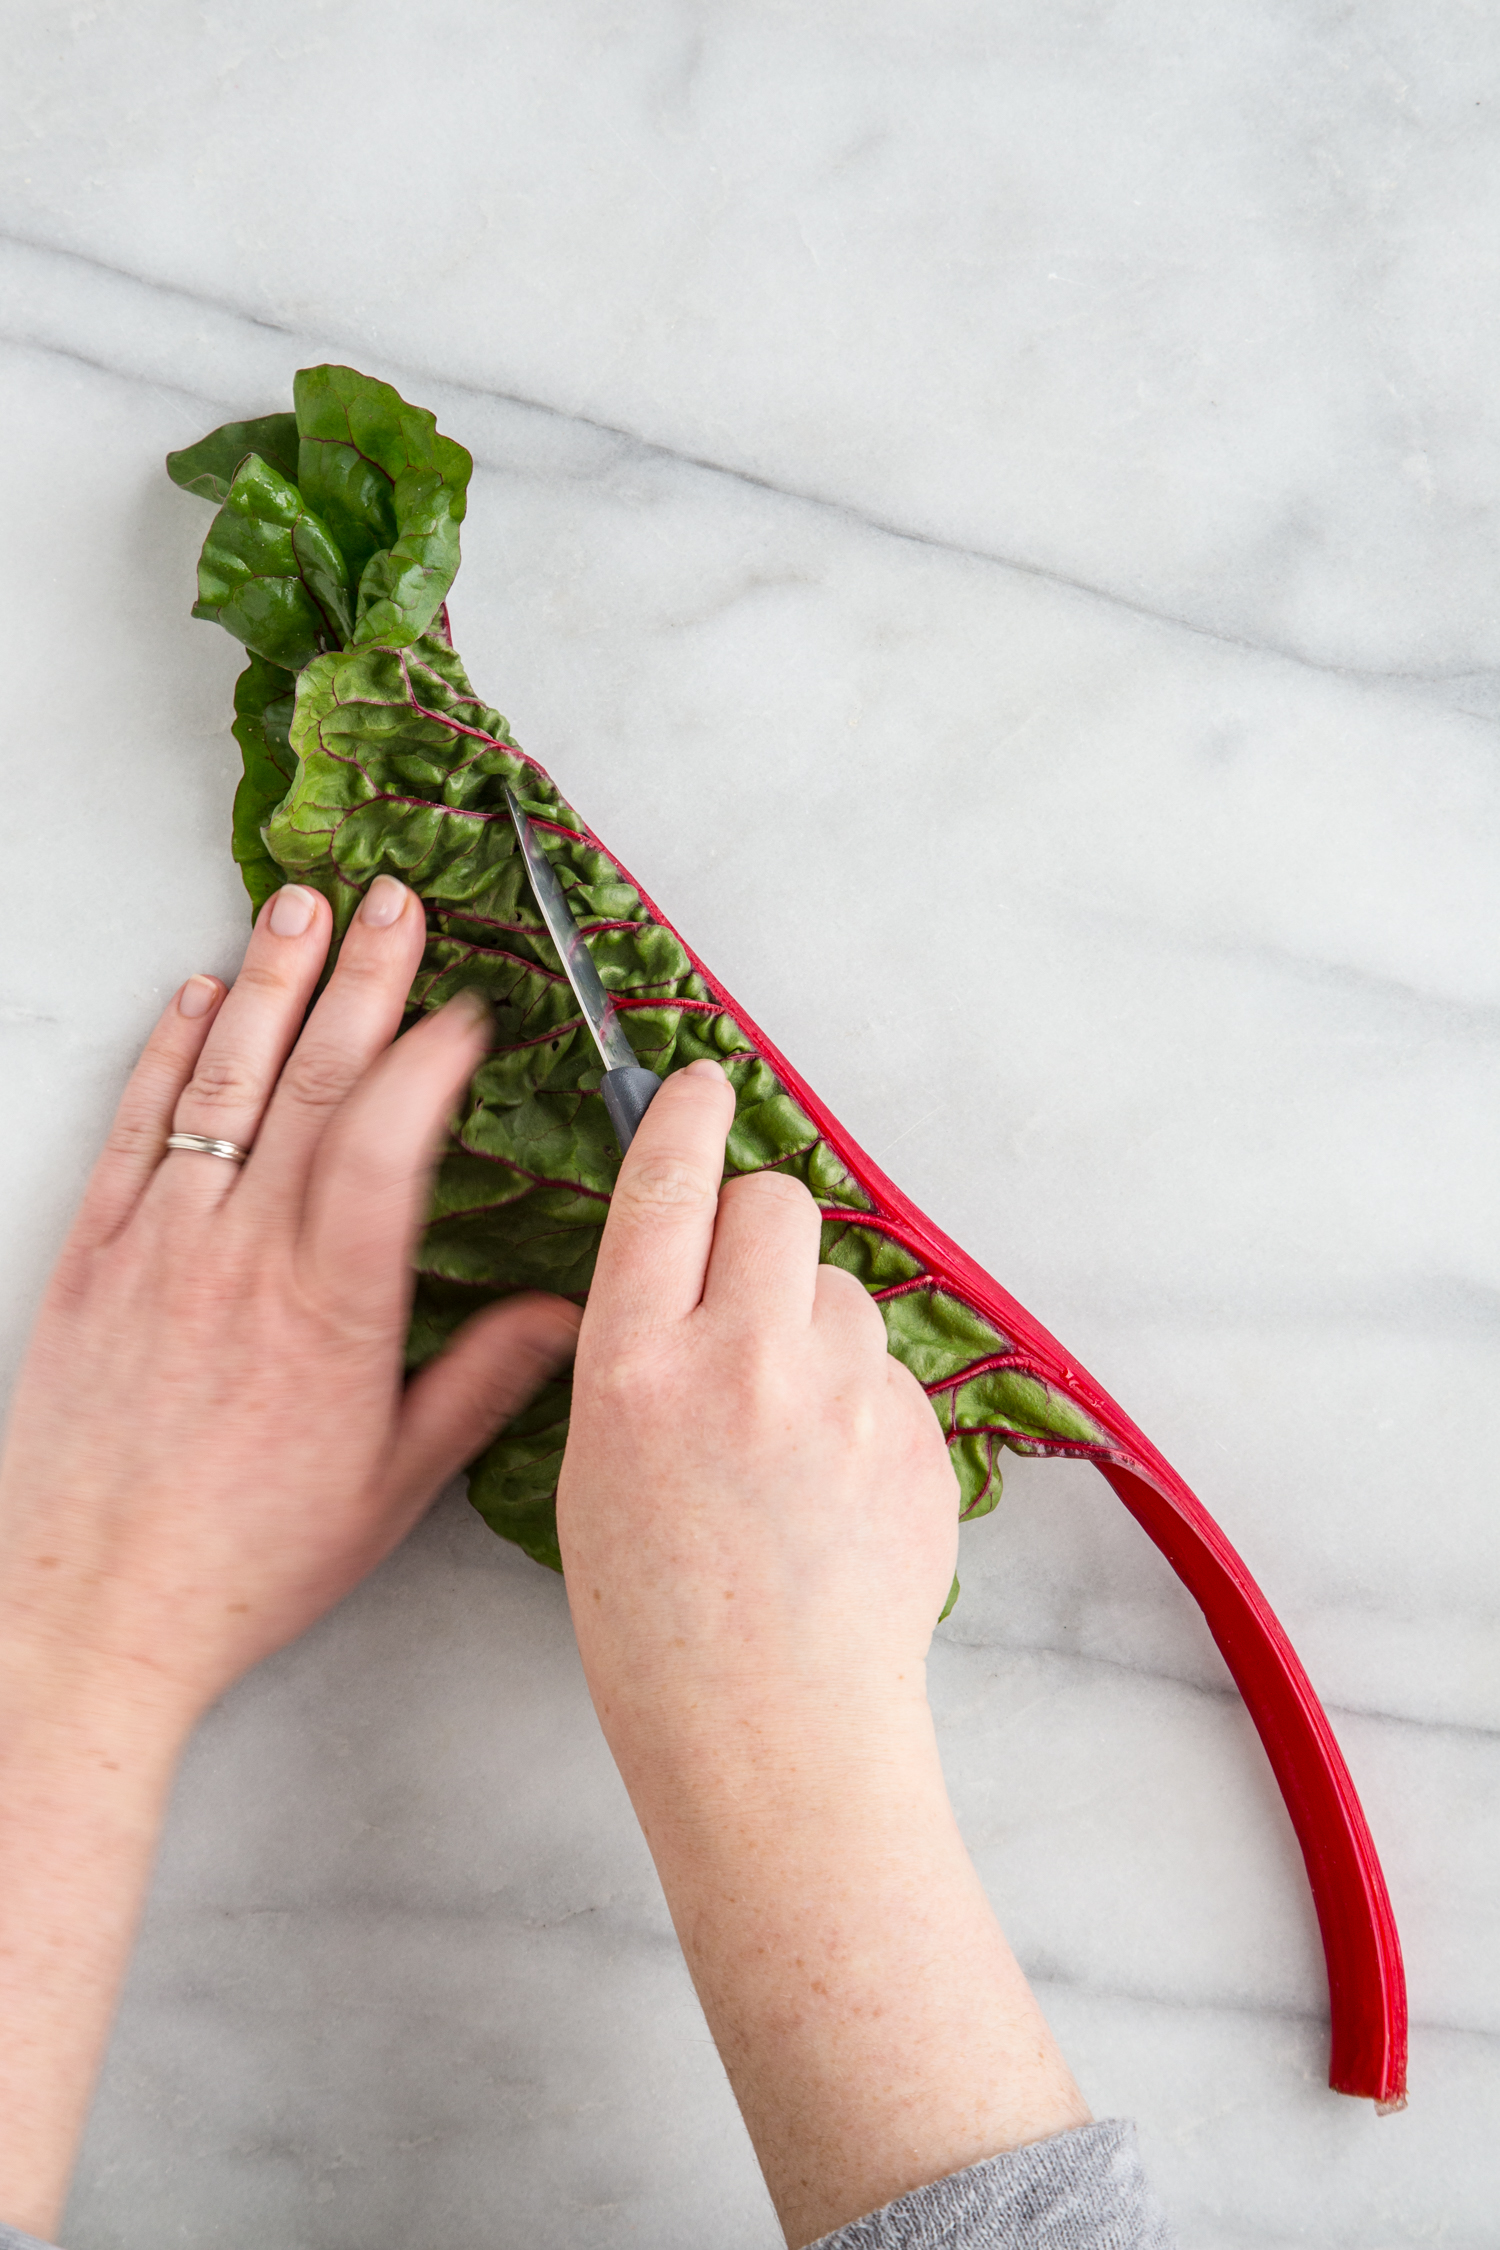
{"x": 142, "y": 281}
{"x": 1042, "y": 1968}
{"x": 649, "y": 448}
{"x": 1448, "y": 1303}
{"x": 99, "y": 366}
{"x": 1464, "y": 1018}
{"x": 1046, "y": 1978}
{"x": 1221, "y": 1691}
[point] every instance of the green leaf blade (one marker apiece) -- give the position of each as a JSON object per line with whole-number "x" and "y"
{"x": 270, "y": 572}
{"x": 208, "y": 467}
{"x": 392, "y": 489}
{"x": 263, "y": 702}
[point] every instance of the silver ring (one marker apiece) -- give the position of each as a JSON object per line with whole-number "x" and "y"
{"x": 201, "y": 1145}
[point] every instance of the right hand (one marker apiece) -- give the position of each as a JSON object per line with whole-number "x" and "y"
{"x": 757, "y": 1514}
{"x": 759, "y": 1524}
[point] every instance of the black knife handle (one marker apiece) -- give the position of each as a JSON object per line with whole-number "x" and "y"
{"x": 628, "y": 1094}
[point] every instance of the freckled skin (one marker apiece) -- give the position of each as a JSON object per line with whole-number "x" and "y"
{"x": 737, "y": 1417}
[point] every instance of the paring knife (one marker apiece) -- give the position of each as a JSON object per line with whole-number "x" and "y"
{"x": 628, "y": 1087}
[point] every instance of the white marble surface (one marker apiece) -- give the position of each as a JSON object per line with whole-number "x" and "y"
{"x": 1086, "y": 414}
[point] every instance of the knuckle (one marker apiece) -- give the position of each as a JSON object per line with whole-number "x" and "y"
{"x": 770, "y": 1188}
{"x": 664, "y": 1183}
{"x": 318, "y": 1080}
{"x": 758, "y": 1380}
{"x": 260, "y": 975}
{"x": 846, "y": 1295}
{"x": 156, "y": 1081}
{"x": 862, "y": 1421}
{"x": 359, "y": 965}
{"x": 134, "y": 1134}
{"x": 161, "y": 1062}
{"x": 637, "y": 1387}
{"x": 223, "y": 1082}
{"x": 915, "y": 1417}
{"x": 697, "y": 1086}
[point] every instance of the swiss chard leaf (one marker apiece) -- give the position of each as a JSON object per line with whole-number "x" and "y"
{"x": 208, "y": 467}
{"x": 387, "y": 759}
{"x": 270, "y": 572}
{"x": 393, "y": 491}
{"x": 263, "y": 699}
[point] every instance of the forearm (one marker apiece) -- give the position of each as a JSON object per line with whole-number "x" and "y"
{"x": 86, "y": 1766}
{"x": 873, "y": 2021}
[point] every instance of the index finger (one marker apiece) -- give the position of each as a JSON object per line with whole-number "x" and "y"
{"x": 660, "y": 1228}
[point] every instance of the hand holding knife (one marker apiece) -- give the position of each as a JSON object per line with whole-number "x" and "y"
{"x": 628, "y": 1087}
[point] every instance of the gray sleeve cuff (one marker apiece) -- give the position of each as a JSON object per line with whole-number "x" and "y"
{"x": 1083, "y": 2190}
{"x": 1079, "y": 2191}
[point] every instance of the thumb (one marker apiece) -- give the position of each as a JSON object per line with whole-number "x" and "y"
{"x": 496, "y": 1362}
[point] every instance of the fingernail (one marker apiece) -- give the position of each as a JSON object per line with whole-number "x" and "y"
{"x": 470, "y": 1003}
{"x": 197, "y": 996}
{"x": 564, "y": 1341}
{"x": 384, "y": 902}
{"x": 292, "y": 910}
{"x": 703, "y": 1068}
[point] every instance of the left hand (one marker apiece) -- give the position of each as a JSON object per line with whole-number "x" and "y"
{"x": 211, "y": 1441}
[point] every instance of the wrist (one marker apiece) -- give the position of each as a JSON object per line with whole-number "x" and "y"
{"x": 872, "y": 2019}
{"x": 66, "y": 1707}
{"x": 714, "y": 1769}
{"x": 81, "y": 1650}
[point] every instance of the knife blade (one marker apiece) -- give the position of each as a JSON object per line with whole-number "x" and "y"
{"x": 628, "y": 1087}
